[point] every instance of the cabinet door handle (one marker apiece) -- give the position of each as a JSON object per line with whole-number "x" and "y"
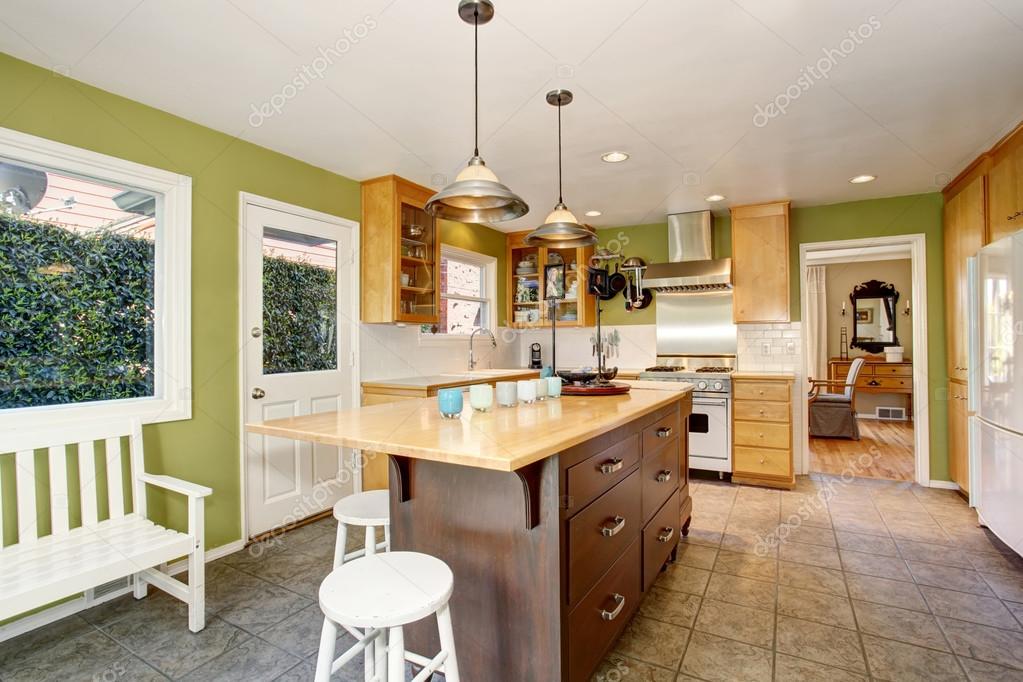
{"x": 664, "y": 432}
{"x": 666, "y": 535}
{"x": 611, "y": 465}
{"x": 762, "y": 413}
{"x": 618, "y": 523}
{"x": 613, "y": 613}
{"x": 664, "y": 476}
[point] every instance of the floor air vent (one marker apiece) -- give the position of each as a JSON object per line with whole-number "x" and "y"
{"x": 891, "y": 414}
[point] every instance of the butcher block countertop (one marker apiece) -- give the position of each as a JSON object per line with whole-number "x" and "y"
{"x": 504, "y": 439}
{"x": 764, "y": 375}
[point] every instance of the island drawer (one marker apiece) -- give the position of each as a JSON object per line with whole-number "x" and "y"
{"x": 762, "y": 434}
{"x": 599, "y": 534}
{"x": 763, "y": 390}
{"x": 591, "y": 477}
{"x": 661, "y": 431}
{"x": 660, "y": 477}
{"x": 660, "y": 537}
{"x": 600, "y": 617}
{"x": 760, "y": 411}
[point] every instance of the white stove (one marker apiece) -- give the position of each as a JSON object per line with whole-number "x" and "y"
{"x": 710, "y": 425}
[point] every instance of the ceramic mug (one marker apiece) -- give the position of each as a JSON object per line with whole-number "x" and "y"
{"x": 527, "y": 391}
{"x": 507, "y": 393}
{"x": 405, "y": 279}
{"x": 481, "y": 397}
{"x": 450, "y": 402}
{"x": 553, "y": 387}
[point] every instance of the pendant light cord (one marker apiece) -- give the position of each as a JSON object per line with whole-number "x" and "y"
{"x": 476, "y": 79}
{"x": 561, "y": 199}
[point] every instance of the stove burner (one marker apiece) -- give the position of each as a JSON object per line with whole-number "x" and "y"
{"x": 715, "y": 370}
{"x": 665, "y": 368}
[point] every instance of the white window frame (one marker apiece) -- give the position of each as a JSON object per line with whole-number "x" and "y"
{"x": 489, "y": 265}
{"x": 172, "y": 359}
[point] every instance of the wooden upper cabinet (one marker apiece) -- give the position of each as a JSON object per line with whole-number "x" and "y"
{"x": 964, "y": 235}
{"x": 400, "y": 253}
{"x": 1006, "y": 188}
{"x": 760, "y": 262}
{"x": 526, "y": 287}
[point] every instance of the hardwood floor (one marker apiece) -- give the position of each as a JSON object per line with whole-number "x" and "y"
{"x": 885, "y": 450}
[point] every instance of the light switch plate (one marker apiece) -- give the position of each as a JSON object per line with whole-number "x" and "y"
{"x": 765, "y": 348}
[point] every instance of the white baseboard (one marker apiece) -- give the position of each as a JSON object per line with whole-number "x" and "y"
{"x": 70, "y": 608}
{"x": 946, "y": 485}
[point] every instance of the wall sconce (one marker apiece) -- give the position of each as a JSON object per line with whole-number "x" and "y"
{"x": 907, "y": 311}
{"x": 843, "y": 308}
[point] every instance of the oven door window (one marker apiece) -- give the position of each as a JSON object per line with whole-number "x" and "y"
{"x": 699, "y": 423}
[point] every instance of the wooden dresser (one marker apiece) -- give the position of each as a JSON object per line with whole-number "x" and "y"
{"x": 762, "y": 429}
{"x": 877, "y": 376}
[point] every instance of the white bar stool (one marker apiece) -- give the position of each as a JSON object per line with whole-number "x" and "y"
{"x": 370, "y": 509}
{"x": 382, "y": 593}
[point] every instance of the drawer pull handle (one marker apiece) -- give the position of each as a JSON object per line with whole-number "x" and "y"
{"x": 666, "y": 535}
{"x": 761, "y": 391}
{"x": 762, "y": 413}
{"x": 609, "y": 531}
{"x": 761, "y": 435}
{"x": 763, "y": 460}
{"x": 664, "y": 476}
{"x": 612, "y": 465}
{"x": 613, "y": 613}
{"x": 664, "y": 432}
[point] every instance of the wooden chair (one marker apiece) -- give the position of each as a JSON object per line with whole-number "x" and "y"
{"x": 833, "y": 414}
{"x": 37, "y": 570}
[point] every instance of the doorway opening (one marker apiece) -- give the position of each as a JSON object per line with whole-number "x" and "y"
{"x": 865, "y": 352}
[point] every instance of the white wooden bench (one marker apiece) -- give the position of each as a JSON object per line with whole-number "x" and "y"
{"x": 40, "y": 569}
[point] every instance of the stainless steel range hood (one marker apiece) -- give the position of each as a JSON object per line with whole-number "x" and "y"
{"x": 691, "y": 267}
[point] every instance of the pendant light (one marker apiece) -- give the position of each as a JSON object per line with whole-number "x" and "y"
{"x": 561, "y": 230}
{"x": 476, "y": 195}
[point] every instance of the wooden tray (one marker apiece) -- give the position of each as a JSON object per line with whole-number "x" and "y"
{"x": 599, "y": 389}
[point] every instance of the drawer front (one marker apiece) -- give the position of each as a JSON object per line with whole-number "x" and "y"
{"x": 599, "y": 534}
{"x": 763, "y": 434}
{"x": 586, "y": 480}
{"x": 757, "y": 390}
{"x": 660, "y": 537}
{"x": 840, "y": 370}
{"x": 660, "y": 432}
{"x": 762, "y": 461}
{"x": 660, "y": 477}
{"x": 893, "y": 370}
{"x": 751, "y": 410}
{"x": 597, "y": 621}
{"x": 893, "y": 383}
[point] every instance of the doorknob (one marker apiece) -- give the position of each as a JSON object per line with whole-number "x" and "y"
{"x": 258, "y": 393}
{"x": 256, "y": 332}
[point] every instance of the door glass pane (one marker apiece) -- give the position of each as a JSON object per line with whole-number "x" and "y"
{"x": 299, "y": 302}
{"x": 418, "y": 246}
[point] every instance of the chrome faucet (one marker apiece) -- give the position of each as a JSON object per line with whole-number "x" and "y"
{"x": 493, "y": 342}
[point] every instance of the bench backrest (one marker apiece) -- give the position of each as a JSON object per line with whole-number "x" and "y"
{"x": 22, "y": 447}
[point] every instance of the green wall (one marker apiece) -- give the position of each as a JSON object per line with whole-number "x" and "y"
{"x": 915, "y": 214}
{"x": 203, "y": 449}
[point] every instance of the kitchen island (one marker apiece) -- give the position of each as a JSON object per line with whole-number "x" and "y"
{"x": 555, "y": 517}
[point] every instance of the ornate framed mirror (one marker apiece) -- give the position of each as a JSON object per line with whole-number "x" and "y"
{"x": 874, "y": 315}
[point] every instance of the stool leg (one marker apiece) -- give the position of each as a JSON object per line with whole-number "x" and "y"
{"x": 325, "y": 658}
{"x": 447, "y": 643}
{"x": 371, "y": 540}
{"x": 396, "y": 655}
{"x": 387, "y": 538}
{"x": 380, "y": 653}
{"x": 340, "y": 544}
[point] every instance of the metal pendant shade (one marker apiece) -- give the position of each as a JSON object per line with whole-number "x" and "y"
{"x": 476, "y": 195}
{"x": 561, "y": 229}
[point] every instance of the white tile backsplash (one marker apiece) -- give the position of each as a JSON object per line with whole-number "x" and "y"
{"x": 392, "y": 352}
{"x": 636, "y": 350}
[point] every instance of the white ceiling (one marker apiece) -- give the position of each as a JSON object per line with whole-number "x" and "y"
{"x": 673, "y": 82}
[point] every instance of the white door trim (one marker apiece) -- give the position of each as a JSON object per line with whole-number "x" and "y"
{"x": 246, "y": 199}
{"x": 915, "y": 246}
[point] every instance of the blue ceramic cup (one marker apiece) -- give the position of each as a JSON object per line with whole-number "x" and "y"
{"x": 450, "y": 402}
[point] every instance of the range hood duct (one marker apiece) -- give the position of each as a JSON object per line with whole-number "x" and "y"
{"x": 691, "y": 267}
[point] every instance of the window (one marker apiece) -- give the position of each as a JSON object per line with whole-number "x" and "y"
{"x": 468, "y": 282}
{"x": 94, "y": 286}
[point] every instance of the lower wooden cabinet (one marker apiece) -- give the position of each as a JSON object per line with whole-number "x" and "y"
{"x": 762, "y": 431}
{"x": 958, "y": 436}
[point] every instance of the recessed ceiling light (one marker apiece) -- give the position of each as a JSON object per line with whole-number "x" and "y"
{"x": 614, "y": 157}
{"x": 860, "y": 179}
{"x": 593, "y": 214}
{"x": 716, "y": 197}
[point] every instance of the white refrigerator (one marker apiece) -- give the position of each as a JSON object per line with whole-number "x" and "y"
{"x": 996, "y": 386}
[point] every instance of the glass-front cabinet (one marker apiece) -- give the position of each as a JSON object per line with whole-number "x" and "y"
{"x": 527, "y": 290}
{"x": 400, "y": 249}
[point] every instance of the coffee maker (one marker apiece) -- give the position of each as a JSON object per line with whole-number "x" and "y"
{"x": 535, "y": 362}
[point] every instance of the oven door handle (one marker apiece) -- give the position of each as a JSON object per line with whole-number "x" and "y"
{"x": 711, "y": 402}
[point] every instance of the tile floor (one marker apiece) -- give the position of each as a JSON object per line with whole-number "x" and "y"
{"x": 876, "y": 579}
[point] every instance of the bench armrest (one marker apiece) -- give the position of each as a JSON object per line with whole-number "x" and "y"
{"x": 191, "y": 490}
